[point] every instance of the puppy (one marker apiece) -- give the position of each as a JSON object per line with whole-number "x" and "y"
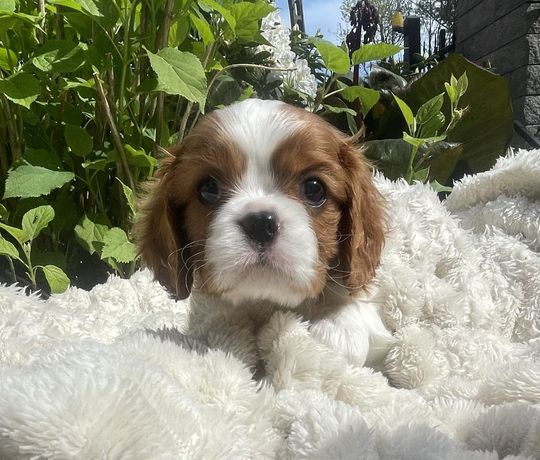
{"x": 265, "y": 203}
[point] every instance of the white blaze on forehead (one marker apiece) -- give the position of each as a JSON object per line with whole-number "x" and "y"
{"x": 258, "y": 127}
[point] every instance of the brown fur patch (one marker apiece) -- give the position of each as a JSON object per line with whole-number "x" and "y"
{"x": 174, "y": 225}
{"x": 350, "y": 224}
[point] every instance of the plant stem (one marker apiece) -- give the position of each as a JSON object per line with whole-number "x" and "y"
{"x": 114, "y": 131}
{"x": 410, "y": 169}
{"x": 162, "y": 43}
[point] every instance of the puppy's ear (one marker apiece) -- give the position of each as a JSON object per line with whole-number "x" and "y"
{"x": 160, "y": 234}
{"x": 362, "y": 225}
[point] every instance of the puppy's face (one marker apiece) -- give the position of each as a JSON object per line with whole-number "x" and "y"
{"x": 262, "y": 201}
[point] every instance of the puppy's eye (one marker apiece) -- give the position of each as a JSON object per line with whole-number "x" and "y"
{"x": 209, "y": 192}
{"x": 313, "y": 191}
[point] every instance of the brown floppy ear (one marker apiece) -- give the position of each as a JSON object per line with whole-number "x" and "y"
{"x": 362, "y": 225}
{"x": 160, "y": 235}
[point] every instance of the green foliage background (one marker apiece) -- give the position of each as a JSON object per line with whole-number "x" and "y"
{"x": 91, "y": 89}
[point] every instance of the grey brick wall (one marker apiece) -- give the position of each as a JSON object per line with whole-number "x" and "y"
{"x": 506, "y": 33}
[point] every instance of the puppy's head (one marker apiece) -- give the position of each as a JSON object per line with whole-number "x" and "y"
{"x": 262, "y": 201}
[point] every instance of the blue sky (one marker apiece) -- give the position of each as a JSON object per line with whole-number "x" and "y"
{"x": 318, "y": 14}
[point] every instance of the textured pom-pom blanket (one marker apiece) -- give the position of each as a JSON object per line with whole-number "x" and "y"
{"x": 123, "y": 371}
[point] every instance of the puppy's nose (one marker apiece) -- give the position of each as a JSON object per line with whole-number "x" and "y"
{"x": 260, "y": 227}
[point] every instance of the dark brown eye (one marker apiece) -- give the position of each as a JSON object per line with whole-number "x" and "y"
{"x": 313, "y": 191}
{"x": 209, "y": 192}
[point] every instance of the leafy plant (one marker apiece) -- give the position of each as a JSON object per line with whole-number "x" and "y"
{"x": 338, "y": 63}
{"x": 472, "y": 145}
{"x": 90, "y": 90}
{"x": 33, "y": 222}
{"x": 425, "y": 127}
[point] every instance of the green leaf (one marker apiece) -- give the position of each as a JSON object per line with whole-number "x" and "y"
{"x": 60, "y": 56}
{"x": 20, "y": 235}
{"x": 21, "y": 88}
{"x": 421, "y": 175}
{"x": 179, "y": 31}
{"x": 8, "y": 249}
{"x": 443, "y": 158}
{"x": 203, "y": 28}
{"x": 105, "y": 12}
{"x": 78, "y": 140}
{"x": 180, "y": 73}
{"x": 432, "y": 126}
{"x": 30, "y": 181}
{"x": 334, "y": 109}
{"x": 247, "y": 16}
{"x": 486, "y": 129}
{"x": 390, "y": 155}
{"x": 8, "y": 59}
{"x": 41, "y": 157}
{"x": 451, "y": 91}
{"x": 430, "y": 109}
{"x": 16, "y": 21}
{"x": 226, "y": 13}
{"x": 36, "y": 220}
{"x": 440, "y": 188}
{"x": 130, "y": 197}
{"x": 462, "y": 84}
{"x": 407, "y": 114}
{"x": 374, "y": 52}
{"x": 368, "y": 97}
{"x": 57, "y": 279}
{"x": 118, "y": 247}
{"x": 334, "y": 57}
{"x": 417, "y": 141}
{"x": 90, "y": 234}
{"x": 7, "y": 5}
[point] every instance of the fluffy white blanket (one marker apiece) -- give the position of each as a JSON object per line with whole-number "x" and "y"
{"x": 85, "y": 374}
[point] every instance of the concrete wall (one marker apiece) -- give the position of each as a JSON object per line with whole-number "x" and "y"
{"x": 506, "y": 33}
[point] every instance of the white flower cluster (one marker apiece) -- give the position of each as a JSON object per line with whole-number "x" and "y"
{"x": 277, "y": 34}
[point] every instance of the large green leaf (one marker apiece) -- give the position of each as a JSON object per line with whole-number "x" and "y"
{"x": 486, "y": 128}
{"x": 118, "y": 247}
{"x": 30, "y": 181}
{"x": 37, "y": 219}
{"x": 21, "y": 88}
{"x": 180, "y": 73}
{"x": 368, "y": 97}
{"x": 60, "y": 56}
{"x": 335, "y": 58}
{"x": 374, "y": 52}
{"x": 391, "y": 156}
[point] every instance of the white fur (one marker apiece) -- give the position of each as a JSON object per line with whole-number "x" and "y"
{"x": 291, "y": 258}
{"x": 79, "y": 378}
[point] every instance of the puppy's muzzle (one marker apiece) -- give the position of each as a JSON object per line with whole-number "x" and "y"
{"x": 261, "y": 227}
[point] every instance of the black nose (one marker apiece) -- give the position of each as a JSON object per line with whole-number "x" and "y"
{"x": 260, "y": 227}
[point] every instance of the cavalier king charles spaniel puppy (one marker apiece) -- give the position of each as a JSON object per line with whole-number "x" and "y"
{"x": 266, "y": 203}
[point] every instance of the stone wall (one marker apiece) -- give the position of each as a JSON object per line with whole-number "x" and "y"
{"x": 506, "y": 33}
